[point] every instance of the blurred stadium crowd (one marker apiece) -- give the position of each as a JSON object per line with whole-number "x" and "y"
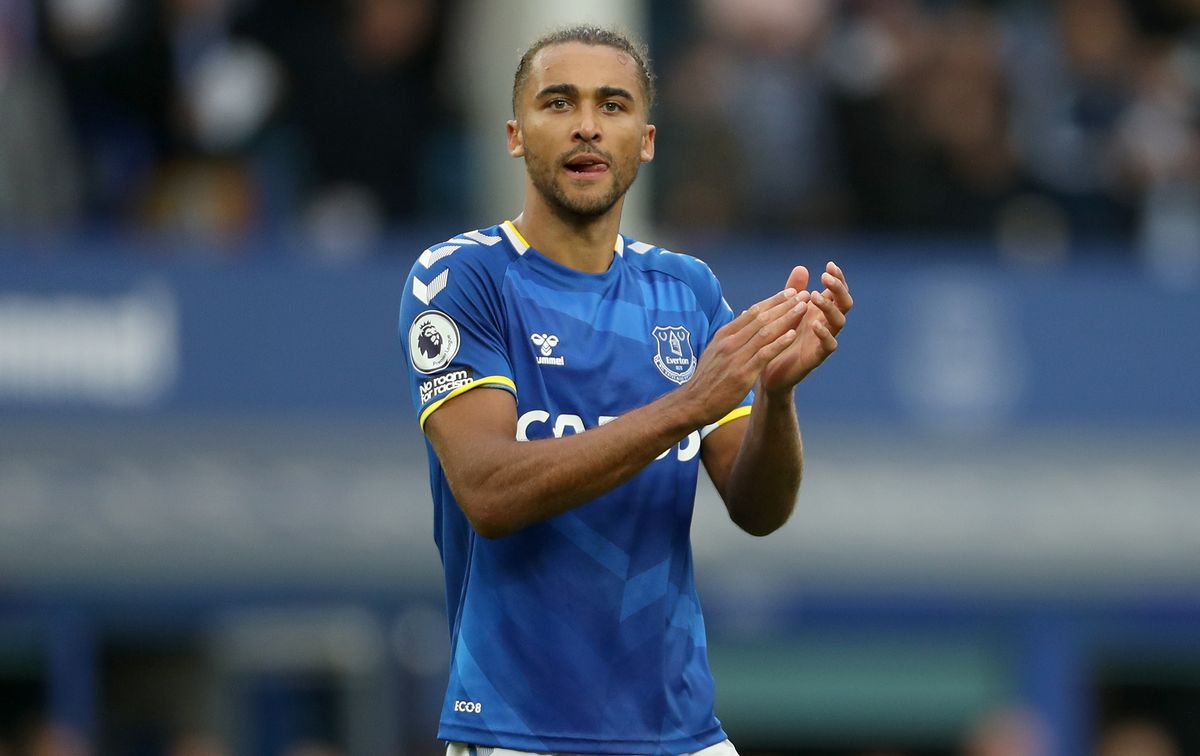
{"x": 1041, "y": 122}
{"x": 219, "y": 118}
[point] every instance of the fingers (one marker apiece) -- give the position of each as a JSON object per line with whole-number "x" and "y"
{"x": 835, "y": 301}
{"x": 798, "y": 279}
{"x": 827, "y": 339}
{"x": 766, "y": 320}
{"x": 773, "y": 323}
{"x": 758, "y": 308}
{"x": 836, "y": 287}
{"x": 834, "y": 317}
{"x": 775, "y": 348}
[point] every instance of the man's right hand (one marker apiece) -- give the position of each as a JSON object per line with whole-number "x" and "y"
{"x": 734, "y": 360}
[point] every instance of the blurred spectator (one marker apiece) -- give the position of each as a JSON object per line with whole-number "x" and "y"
{"x": 748, "y": 110}
{"x": 39, "y": 177}
{"x": 926, "y": 124}
{"x": 1071, "y": 68}
{"x": 223, "y": 90}
{"x": 198, "y": 744}
{"x": 1007, "y": 732}
{"x": 313, "y": 748}
{"x": 54, "y": 739}
{"x": 1159, "y": 141}
{"x": 365, "y": 111}
{"x": 1137, "y": 737}
{"x": 113, "y": 61}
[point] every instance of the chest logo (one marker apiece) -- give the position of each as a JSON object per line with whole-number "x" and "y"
{"x": 674, "y": 358}
{"x": 545, "y": 342}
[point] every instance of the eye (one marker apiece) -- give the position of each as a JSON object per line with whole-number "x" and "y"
{"x": 558, "y": 103}
{"x": 612, "y": 107}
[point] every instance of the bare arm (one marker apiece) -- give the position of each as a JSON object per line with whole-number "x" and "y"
{"x": 504, "y": 485}
{"x": 757, "y": 463}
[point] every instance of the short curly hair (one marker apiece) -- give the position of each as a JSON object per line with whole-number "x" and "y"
{"x": 588, "y": 34}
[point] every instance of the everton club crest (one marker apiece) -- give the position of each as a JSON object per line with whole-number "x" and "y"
{"x": 675, "y": 358}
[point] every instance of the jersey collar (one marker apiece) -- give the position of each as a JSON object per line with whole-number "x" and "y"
{"x": 521, "y": 246}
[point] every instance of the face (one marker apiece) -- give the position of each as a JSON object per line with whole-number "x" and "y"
{"x": 581, "y": 127}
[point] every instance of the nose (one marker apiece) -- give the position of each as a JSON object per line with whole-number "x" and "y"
{"x": 588, "y": 128}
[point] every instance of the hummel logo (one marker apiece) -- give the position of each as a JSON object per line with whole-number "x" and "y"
{"x": 546, "y": 342}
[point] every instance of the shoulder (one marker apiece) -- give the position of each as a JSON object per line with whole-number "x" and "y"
{"x": 690, "y": 270}
{"x": 478, "y": 255}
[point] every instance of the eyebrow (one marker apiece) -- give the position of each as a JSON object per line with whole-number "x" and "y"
{"x": 606, "y": 92}
{"x": 572, "y": 90}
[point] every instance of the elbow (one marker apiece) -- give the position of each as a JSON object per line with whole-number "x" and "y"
{"x": 490, "y": 530}
{"x": 487, "y": 517}
{"x": 760, "y": 521}
{"x": 759, "y": 529}
{"x": 760, "y": 532}
{"x": 483, "y": 503}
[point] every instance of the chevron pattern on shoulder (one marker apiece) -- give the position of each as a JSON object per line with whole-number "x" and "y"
{"x": 426, "y": 292}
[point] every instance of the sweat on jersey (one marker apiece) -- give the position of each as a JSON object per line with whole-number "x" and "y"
{"x": 582, "y": 633}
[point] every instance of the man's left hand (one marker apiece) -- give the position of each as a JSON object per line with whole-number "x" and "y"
{"x": 816, "y": 337}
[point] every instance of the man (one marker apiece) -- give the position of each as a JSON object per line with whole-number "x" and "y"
{"x": 563, "y": 500}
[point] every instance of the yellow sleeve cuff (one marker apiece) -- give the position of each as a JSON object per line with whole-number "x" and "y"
{"x": 496, "y": 381}
{"x": 737, "y": 412}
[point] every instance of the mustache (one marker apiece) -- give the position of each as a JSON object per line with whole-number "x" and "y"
{"x": 584, "y": 149}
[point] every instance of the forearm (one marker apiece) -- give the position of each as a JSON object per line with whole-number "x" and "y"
{"x": 505, "y": 485}
{"x": 764, "y": 480}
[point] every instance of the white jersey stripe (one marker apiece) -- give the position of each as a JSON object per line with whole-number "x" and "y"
{"x": 482, "y": 238}
{"x": 514, "y": 237}
{"x": 426, "y": 293}
{"x": 430, "y": 256}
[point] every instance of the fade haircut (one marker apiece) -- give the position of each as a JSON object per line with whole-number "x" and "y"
{"x": 588, "y": 34}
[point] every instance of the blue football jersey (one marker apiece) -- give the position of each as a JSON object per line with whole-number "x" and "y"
{"x": 582, "y": 633}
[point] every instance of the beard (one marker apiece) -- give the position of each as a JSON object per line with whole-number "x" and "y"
{"x": 549, "y": 181}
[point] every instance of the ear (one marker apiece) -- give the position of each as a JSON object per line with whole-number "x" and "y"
{"x": 516, "y": 140}
{"x": 647, "y": 153}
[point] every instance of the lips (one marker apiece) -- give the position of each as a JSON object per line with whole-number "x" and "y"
{"x": 587, "y": 163}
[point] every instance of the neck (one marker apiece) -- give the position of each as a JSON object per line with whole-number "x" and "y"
{"x": 583, "y": 244}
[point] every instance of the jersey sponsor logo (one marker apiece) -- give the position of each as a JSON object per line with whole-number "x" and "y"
{"x": 546, "y": 343}
{"x": 432, "y": 341}
{"x": 444, "y": 384}
{"x": 560, "y": 425}
{"x": 468, "y": 707}
{"x": 675, "y": 358}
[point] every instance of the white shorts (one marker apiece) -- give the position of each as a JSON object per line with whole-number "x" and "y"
{"x": 724, "y": 748}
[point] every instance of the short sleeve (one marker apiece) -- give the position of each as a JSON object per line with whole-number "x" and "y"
{"x": 452, "y": 327}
